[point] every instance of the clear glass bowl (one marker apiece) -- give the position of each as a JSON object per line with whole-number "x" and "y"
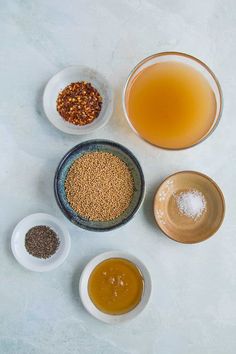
{"x": 185, "y": 59}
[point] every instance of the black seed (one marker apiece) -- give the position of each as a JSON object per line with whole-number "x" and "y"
{"x": 41, "y": 241}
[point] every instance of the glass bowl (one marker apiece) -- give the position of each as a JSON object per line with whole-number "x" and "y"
{"x": 185, "y": 59}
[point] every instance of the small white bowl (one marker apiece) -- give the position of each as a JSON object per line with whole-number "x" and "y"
{"x": 87, "y": 302}
{"x": 33, "y": 263}
{"x": 65, "y": 77}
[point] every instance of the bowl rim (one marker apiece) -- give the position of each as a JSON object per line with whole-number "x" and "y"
{"x": 86, "y": 300}
{"x": 218, "y": 190}
{"x": 123, "y": 149}
{"x": 188, "y": 56}
{"x": 66, "y": 129}
{"x": 66, "y": 235}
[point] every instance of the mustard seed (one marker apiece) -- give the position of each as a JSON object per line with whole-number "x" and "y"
{"x": 99, "y": 186}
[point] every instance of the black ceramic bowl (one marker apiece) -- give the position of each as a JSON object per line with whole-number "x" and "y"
{"x": 104, "y": 146}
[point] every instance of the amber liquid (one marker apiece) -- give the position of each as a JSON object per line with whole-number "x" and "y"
{"x": 115, "y": 286}
{"x": 171, "y": 105}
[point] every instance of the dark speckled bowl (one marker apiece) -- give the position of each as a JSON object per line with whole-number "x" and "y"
{"x": 105, "y": 146}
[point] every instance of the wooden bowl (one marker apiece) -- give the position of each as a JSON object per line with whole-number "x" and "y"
{"x": 176, "y": 225}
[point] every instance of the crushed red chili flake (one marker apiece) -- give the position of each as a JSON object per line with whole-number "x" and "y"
{"x": 79, "y": 103}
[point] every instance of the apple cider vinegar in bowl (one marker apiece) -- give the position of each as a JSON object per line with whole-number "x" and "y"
{"x": 172, "y": 100}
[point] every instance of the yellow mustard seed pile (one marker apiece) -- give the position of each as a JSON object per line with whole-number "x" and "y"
{"x": 99, "y": 186}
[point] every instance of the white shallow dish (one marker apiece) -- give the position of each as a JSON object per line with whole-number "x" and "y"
{"x": 34, "y": 263}
{"x": 88, "y": 304}
{"x": 65, "y": 77}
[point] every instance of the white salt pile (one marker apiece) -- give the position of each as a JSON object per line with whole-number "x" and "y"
{"x": 191, "y": 203}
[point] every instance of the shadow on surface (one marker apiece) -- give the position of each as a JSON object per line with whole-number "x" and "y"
{"x": 148, "y": 205}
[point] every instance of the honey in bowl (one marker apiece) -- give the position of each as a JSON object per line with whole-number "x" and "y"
{"x": 171, "y": 104}
{"x": 116, "y": 286}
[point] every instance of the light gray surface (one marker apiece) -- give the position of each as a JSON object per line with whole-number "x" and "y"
{"x": 192, "y": 309}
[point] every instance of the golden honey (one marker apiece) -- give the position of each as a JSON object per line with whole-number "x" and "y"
{"x": 115, "y": 286}
{"x": 170, "y": 104}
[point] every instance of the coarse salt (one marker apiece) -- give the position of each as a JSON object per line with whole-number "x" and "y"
{"x": 191, "y": 203}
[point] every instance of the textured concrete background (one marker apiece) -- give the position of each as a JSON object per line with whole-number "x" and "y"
{"x": 193, "y": 306}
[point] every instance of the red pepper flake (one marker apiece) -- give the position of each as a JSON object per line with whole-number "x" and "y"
{"x": 79, "y": 103}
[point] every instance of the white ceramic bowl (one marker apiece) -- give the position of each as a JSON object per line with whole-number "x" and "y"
{"x": 87, "y": 302}
{"x": 34, "y": 263}
{"x": 65, "y": 77}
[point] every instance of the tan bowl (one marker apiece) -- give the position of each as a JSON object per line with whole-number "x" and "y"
{"x": 178, "y": 226}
